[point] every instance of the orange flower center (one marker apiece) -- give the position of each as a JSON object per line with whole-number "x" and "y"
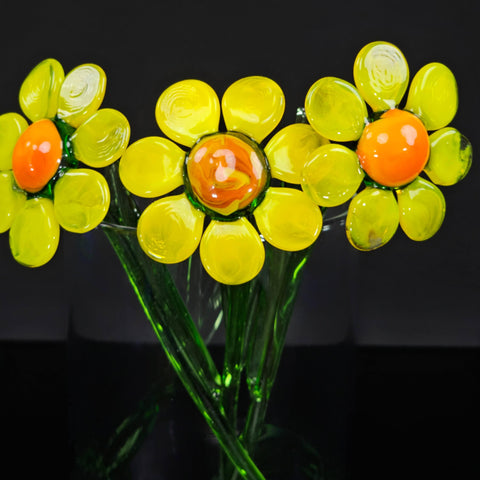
{"x": 226, "y": 172}
{"x": 394, "y": 149}
{"x": 37, "y": 156}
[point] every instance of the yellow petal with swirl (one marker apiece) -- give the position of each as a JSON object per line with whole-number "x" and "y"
{"x": 188, "y": 110}
{"x": 335, "y": 109}
{"x": 332, "y": 175}
{"x": 422, "y": 209}
{"x": 38, "y": 95}
{"x": 12, "y": 125}
{"x": 450, "y": 156}
{"x": 289, "y": 149}
{"x": 372, "y": 218}
{"x": 433, "y": 96}
{"x": 232, "y": 252}
{"x": 12, "y": 200}
{"x": 169, "y": 229}
{"x": 102, "y": 139}
{"x": 35, "y": 233}
{"x": 81, "y": 94}
{"x": 381, "y": 75}
{"x": 152, "y": 167}
{"x": 254, "y": 106}
{"x": 81, "y": 199}
{"x": 288, "y": 219}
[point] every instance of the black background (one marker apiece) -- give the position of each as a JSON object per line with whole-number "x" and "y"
{"x": 390, "y": 337}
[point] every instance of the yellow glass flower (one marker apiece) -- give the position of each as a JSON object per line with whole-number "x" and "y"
{"x": 225, "y": 175}
{"x": 393, "y": 147}
{"x": 44, "y": 184}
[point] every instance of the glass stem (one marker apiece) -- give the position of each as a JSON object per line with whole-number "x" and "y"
{"x": 275, "y": 310}
{"x": 238, "y": 307}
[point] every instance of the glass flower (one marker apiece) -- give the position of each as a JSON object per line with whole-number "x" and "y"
{"x": 44, "y": 180}
{"x": 224, "y": 177}
{"x": 394, "y": 146}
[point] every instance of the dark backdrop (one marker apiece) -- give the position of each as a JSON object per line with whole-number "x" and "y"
{"x": 407, "y": 315}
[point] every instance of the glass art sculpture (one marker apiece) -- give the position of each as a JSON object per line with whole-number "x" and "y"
{"x": 48, "y": 169}
{"x": 393, "y": 147}
{"x": 252, "y": 208}
{"x": 226, "y": 176}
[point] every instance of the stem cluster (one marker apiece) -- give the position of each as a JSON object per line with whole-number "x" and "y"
{"x": 256, "y": 316}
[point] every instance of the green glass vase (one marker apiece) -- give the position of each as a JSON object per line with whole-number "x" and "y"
{"x": 185, "y": 307}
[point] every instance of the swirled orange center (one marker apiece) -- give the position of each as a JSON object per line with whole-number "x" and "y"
{"x": 37, "y": 156}
{"x": 394, "y": 149}
{"x": 226, "y": 173}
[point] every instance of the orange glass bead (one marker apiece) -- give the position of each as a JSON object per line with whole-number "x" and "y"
{"x": 37, "y": 155}
{"x": 394, "y": 149}
{"x": 226, "y": 173}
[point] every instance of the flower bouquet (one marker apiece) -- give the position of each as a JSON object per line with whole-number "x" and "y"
{"x": 223, "y": 188}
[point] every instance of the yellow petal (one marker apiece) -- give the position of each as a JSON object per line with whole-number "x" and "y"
{"x": 422, "y": 209}
{"x": 332, "y": 175}
{"x": 81, "y": 94}
{"x": 81, "y": 200}
{"x": 152, "y": 167}
{"x": 169, "y": 230}
{"x": 232, "y": 252}
{"x": 450, "y": 157}
{"x": 372, "y": 218}
{"x": 12, "y": 125}
{"x": 288, "y": 219}
{"x": 39, "y": 92}
{"x": 288, "y": 151}
{"x": 102, "y": 139}
{"x": 335, "y": 109}
{"x": 188, "y": 110}
{"x": 35, "y": 233}
{"x": 381, "y": 75}
{"x": 254, "y": 106}
{"x": 433, "y": 96}
{"x": 12, "y": 200}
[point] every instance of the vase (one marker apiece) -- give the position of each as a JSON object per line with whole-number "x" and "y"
{"x": 130, "y": 417}
{"x": 196, "y": 398}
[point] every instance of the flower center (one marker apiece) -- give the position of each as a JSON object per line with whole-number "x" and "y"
{"x": 394, "y": 149}
{"x": 226, "y": 172}
{"x": 37, "y": 156}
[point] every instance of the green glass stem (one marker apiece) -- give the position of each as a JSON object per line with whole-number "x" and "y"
{"x": 173, "y": 325}
{"x": 200, "y": 294}
{"x": 280, "y": 292}
{"x": 268, "y": 325}
{"x": 239, "y": 309}
{"x": 279, "y": 287}
{"x": 106, "y": 461}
